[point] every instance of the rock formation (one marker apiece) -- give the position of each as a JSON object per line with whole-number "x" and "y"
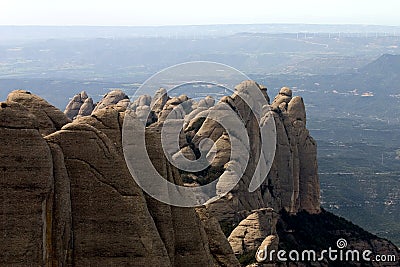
{"x": 26, "y": 184}
{"x": 292, "y": 182}
{"x": 83, "y": 207}
{"x": 70, "y": 200}
{"x": 251, "y": 232}
{"x": 80, "y": 104}
{"x": 294, "y": 172}
{"x": 50, "y": 119}
{"x": 111, "y": 232}
{"x": 116, "y": 97}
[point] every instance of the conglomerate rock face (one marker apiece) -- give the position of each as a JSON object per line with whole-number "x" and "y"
{"x": 26, "y": 183}
{"x": 251, "y": 232}
{"x": 292, "y": 183}
{"x": 70, "y": 200}
{"x": 198, "y": 126}
{"x": 295, "y": 168}
{"x": 75, "y": 105}
{"x": 112, "y": 232}
{"x": 50, "y": 118}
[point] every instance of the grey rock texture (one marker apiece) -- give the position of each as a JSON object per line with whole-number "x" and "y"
{"x": 292, "y": 183}
{"x": 108, "y": 120}
{"x": 159, "y": 100}
{"x": 61, "y": 235}
{"x": 79, "y": 105}
{"x": 296, "y": 165}
{"x": 82, "y": 105}
{"x": 86, "y": 108}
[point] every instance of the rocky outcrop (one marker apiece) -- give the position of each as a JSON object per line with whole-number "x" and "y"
{"x": 25, "y": 188}
{"x": 108, "y": 120}
{"x": 86, "y": 108}
{"x": 49, "y": 118}
{"x": 80, "y": 104}
{"x": 104, "y": 198}
{"x": 296, "y": 165}
{"x": 292, "y": 182}
{"x": 219, "y": 245}
{"x": 61, "y": 234}
{"x": 84, "y": 207}
{"x": 249, "y": 235}
{"x": 70, "y": 200}
{"x": 116, "y": 97}
{"x": 178, "y": 226}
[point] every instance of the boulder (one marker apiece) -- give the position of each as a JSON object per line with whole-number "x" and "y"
{"x": 159, "y": 100}
{"x": 50, "y": 118}
{"x": 109, "y": 121}
{"x": 113, "y": 98}
{"x": 74, "y": 105}
{"x": 87, "y": 107}
{"x": 251, "y": 232}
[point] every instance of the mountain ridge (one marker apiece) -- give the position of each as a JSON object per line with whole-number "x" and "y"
{"x": 84, "y": 201}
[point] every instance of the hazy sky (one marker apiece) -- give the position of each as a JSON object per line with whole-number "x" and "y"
{"x": 178, "y": 12}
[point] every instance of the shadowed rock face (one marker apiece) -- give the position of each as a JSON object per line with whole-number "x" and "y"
{"x": 26, "y": 185}
{"x": 110, "y": 220}
{"x": 69, "y": 199}
{"x": 295, "y": 169}
{"x": 178, "y": 226}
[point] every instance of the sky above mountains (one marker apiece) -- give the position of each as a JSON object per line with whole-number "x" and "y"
{"x": 179, "y": 12}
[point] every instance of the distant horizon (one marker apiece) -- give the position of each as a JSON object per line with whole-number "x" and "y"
{"x": 196, "y": 25}
{"x": 37, "y": 32}
{"x": 207, "y": 12}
